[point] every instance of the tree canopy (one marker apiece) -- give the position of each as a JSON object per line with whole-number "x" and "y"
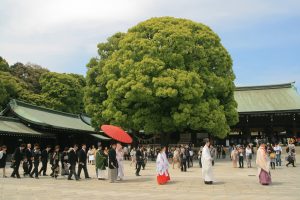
{"x": 165, "y": 74}
{"x": 10, "y": 87}
{"x": 63, "y": 91}
{"x": 37, "y": 85}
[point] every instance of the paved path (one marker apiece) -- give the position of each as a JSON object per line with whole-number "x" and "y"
{"x": 231, "y": 184}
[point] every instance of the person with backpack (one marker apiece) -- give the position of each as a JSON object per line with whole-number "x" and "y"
{"x": 272, "y": 156}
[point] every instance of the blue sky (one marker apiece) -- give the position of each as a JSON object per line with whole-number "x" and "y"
{"x": 262, "y": 36}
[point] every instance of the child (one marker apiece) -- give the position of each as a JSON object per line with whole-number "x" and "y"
{"x": 272, "y": 159}
{"x": 3, "y": 157}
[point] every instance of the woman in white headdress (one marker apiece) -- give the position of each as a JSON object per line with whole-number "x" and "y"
{"x": 162, "y": 166}
{"x": 263, "y": 165}
{"x": 206, "y": 161}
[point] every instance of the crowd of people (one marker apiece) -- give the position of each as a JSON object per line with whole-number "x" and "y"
{"x": 73, "y": 160}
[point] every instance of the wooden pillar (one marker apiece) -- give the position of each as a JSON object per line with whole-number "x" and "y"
{"x": 294, "y": 130}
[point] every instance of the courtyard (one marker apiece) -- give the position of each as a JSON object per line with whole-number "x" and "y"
{"x": 231, "y": 183}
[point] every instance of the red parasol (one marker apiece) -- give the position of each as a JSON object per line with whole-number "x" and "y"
{"x": 116, "y": 133}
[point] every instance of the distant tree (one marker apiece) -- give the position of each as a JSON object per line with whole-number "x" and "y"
{"x": 30, "y": 74}
{"x": 62, "y": 91}
{"x": 3, "y": 65}
{"x": 163, "y": 75}
{"x": 10, "y": 87}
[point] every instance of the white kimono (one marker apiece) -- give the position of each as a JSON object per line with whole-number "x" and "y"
{"x": 120, "y": 158}
{"x": 206, "y": 160}
{"x": 162, "y": 164}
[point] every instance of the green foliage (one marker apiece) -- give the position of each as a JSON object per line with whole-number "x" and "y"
{"x": 163, "y": 75}
{"x": 62, "y": 92}
{"x": 30, "y": 74}
{"x": 36, "y": 85}
{"x": 10, "y": 87}
{"x": 3, "y": 65}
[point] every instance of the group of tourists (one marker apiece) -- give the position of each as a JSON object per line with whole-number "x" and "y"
{"x": 267, "y": 157}
{"x": 238, "y": 152}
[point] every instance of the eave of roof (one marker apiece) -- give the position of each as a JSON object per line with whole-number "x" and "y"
{"x": 13, "y": 126}
{"x": 265, "y": 87}
{"x": 48, "y": 118}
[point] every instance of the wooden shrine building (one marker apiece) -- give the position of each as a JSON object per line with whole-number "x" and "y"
{"x": 270, "y": 111}
{"x": 21, "y": 122}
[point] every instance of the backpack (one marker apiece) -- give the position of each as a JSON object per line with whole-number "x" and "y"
{"x": 272, "y": 155}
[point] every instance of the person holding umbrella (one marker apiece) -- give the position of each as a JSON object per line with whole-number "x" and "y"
{"x": 112, "y": 163}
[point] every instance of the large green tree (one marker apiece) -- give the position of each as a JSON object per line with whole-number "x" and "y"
{"x": 63, "y": 92}
{"x": 163, "y": 75}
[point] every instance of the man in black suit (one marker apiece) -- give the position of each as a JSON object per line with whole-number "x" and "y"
{"x": 44, "y": 158}
{"x": 72, "y": 159}
{"x": 82, "y": 156}
{"x": 139, "y": 160}
{"x": 17, "y": 158}
{"x": 36, "y": 154}
{"x": 112, "y": 163}
{"x": 27, "y": 164}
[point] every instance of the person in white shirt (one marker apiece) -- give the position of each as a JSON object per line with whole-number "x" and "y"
{"x": 206, "y": 160}
{"x": 278, "y": 151}
{"x": 248, "y": 156}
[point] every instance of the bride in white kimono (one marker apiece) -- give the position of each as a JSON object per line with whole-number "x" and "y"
{"x": 162, "y": 166}
{"x": 206, "y": 161}
{"x": 120, "y": 158}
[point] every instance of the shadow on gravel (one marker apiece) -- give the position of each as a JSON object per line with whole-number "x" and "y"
{"x": 219, "y": 183}
{"x": 136, "y": 180}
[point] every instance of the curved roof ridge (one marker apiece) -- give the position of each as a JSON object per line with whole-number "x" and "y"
{"x": 264, "y": 87}
{"x": 28, "y": 105}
